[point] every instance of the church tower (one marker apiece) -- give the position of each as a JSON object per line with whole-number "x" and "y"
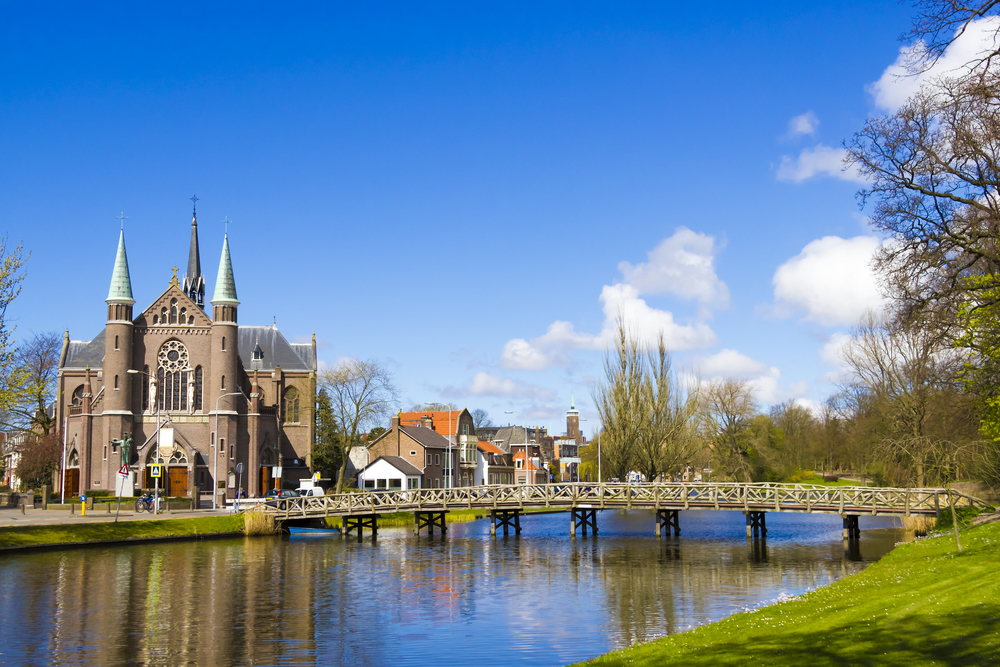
{"x": 194, "y": 282}
{"x": 117, "y": 357}
{"x": 225, "y": 367}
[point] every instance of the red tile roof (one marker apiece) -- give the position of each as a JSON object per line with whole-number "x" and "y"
{"x": 439, "y": 420}
{"x": 529, "y": 465}
{"x": 485, "y": 446}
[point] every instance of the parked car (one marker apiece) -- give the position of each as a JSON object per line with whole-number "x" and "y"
{"x": 272, "y": 497}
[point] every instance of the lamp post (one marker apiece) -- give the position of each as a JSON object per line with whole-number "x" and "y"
{"x": 598, "y": 448}
{"x": 217, "y": 452}
{"x": 451, "y": 462}
{"x": 510, "y": 412}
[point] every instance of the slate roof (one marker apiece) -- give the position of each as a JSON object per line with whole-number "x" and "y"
{"x": 510, "y": 435}
{"x": 277, "y": 350}
{"x": 399, "y": 463}
{"x": 83, "y": 353}
{"x": 426, "y": 436}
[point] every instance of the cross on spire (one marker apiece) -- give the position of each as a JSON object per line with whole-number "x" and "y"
{"x": 194, "y": 206}
{"x": 123, "y": 218}
{"x": 226, "y": 222}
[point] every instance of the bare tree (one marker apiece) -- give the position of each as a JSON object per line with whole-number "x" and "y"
{"x": 665, "y": 442}
{"x": 728, "y": 406}
{"x": 619, "y": 402}
{"x": 481, "y": 419}
{"x": 38, "y": 363}
{"x": 362, "y": 395}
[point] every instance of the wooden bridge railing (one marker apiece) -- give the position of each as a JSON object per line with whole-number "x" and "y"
{"x": 760, "y": 497}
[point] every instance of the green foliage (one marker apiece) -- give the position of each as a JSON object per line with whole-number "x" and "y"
{"x": 327, "y": 456}
{"x": 12, "y": 375}
{"x": 965, "y": 517}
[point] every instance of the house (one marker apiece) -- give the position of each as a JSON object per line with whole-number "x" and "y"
{"x": 566, "y": 461}
{"x": 530, "y": 471}
{"x": 458, "y": 427}
{"x": 494, "y": 466}
{"x": 389, "y": 473}
{"x": 420, "y": 446}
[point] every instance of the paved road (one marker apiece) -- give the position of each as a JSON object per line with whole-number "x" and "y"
{"x": 13, "y": 516}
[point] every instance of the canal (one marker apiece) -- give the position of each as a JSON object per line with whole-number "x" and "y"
{"x": 468, "y": 599}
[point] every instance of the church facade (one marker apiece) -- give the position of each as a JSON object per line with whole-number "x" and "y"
{"x": 195, "y": 392}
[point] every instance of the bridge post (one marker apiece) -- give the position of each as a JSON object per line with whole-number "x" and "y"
{"x": 507, "y": 519}
{"x": 585, "y": 518}
{"x": 852, "y": 531}
{"x": 359, "y": 522}
{"x": 667, "y": 519}
{"x": 429, "y": 520}
{"x": 756, "y": 524}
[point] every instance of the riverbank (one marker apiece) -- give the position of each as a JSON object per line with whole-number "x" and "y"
{"x": 72, "y": 535}
{"x": 921, "y": 604}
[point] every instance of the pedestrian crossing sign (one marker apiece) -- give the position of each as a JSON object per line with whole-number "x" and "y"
{"x": 156, "y": 471}
{"x": 124, "y": 470}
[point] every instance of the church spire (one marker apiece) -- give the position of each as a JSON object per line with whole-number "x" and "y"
{"x": 225, "y": 283}
{"x": 121, "y": 284}
{"x": 194, "y": 282}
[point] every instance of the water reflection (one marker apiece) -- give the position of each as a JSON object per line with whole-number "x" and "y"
{"x": 543, "y": 598}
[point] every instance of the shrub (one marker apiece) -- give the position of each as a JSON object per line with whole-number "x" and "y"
{"x": 259, "y": 522}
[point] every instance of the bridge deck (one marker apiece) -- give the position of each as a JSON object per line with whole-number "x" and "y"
{"x": 714, "y": 496}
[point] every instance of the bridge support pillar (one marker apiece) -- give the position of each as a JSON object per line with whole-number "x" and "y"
{"x": 507, "y": 519}
{"x": 359, "y": 522}
{"x": 429, "y": 520}
{"x": 668, "y": 519}
{"x": 852, "y": 531}
{"x": 582, "y": 518}
{"x": 756, "y": 524}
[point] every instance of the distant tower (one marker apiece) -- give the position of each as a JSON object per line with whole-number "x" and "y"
{"x": 225, "y": 371}
{"x": 573, "y": 420}
{"x": 194, "y": 282}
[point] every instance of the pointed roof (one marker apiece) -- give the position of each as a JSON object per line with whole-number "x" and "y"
{"x": 225, "y": 283}
{"x": 121, "y": 285}
{"x": 572, "y": 404}
{"x": 194, "y": 282}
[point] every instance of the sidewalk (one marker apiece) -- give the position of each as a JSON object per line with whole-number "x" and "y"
{"x": 11, "y": 516}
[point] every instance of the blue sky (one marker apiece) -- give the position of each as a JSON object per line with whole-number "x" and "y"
{"x": 464, "y": 191}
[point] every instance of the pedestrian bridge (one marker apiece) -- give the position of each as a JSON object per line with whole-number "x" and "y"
{"x": 507, "y": 502}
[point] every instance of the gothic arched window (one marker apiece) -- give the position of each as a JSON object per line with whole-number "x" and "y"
{"x": 198, "y": 380}
{"x": 74, "y": 460}
{"x": 184, "y": 318}
{"x": 292, "y": 405}
{"x": 78, "y": 397}
{"x": 172, "y": 375}
{"x": 173, "y": 311}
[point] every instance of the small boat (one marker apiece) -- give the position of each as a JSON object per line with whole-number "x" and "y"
{"x": 296, "y": 531}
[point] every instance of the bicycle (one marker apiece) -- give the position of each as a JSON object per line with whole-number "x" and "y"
{"x": 144, "y": 503}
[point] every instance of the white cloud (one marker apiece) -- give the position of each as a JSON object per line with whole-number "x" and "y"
{"x": 832, "y": 354}
{"x": 896, "y": 85}
{"x": 766, "y": 380}
{"x": 821, "y": 160}
{"x": 804, "y": 124}
{"x": 484, "y": 384}
{"x": 830, "y": 281}
{"x": 682, "y": 265}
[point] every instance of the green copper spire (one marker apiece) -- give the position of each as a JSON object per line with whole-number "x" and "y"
{"x": 572, "y": 402}
{"x": 121, "y": 285}
{"x": 225, "y": 284}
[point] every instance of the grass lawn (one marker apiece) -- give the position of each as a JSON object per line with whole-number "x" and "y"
{"x": 922, "y": 604}
{"x": 818, "y": 479}
{"x": 123, "y": 530}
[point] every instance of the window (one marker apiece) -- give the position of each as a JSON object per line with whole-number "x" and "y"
{"x": 184, "y": 315}
{"x": 437, "y": 459}
{"x": 292, "y": 405}
{"x": 428, "y": 458}
{"x": 223, "y": 383}
{"x": 105, "y": 452}
{"x": 411, "y": 483}
{"x": 173, "y": 311}
{"x": 163, "y": 315}
{"x": 465, "y": 429}
{"x": 116, "y": 342}
{"x": 369, "y": 483}
{"x": 223, "y": 343}
{"x": 198, "y": 380}
{"x": 145, "y": 388}
{"x": 156, "y": 319}
{"x": 517, "y": 464}
{"x": 116, "y": 383}
{"x": 380, "y": 484}
{"x": 74, "y": 459}
{"x": 78, "y": 398}
{"x": 413, "y": 452}
{"x": 437, "y": 483}
{"x": 172, "y": 360}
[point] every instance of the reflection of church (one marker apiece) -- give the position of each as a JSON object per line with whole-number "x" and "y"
{"x": 207, "y": 379}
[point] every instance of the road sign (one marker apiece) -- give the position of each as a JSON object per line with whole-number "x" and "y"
{"x": 124, "y": 471}
{"x": 156, "y": 471}
{"x": 83, "y": 498}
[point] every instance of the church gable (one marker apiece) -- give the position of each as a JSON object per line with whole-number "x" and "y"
{"x": 173, "y": 308}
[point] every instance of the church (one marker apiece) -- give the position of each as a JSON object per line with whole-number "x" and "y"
{"x": 222, "y": 407}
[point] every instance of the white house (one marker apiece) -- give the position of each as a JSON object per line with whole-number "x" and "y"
{"x": 389, "y": 473}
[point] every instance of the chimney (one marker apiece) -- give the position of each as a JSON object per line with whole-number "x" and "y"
{"x": 427, "y": 421}
{"x": 394, "y": 422}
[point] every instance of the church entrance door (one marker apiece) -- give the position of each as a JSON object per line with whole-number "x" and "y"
{"x": 72, "y": 481}
{"x": 265, "y": 479}
{"x": 177, "y": 481}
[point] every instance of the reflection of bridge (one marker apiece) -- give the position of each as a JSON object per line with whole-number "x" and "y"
{"x": 506, "y": 503}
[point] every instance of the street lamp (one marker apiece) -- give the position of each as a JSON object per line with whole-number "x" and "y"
{"x": 510, "y": 412}
{"x": 217, "y": 452}
{"x": 598, "y": 448}
{"x": 451, "y": 462}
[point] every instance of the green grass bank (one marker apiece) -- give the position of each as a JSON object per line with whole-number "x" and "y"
{"x": 922, "y": 604}
{"x": 83, "y": 533}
